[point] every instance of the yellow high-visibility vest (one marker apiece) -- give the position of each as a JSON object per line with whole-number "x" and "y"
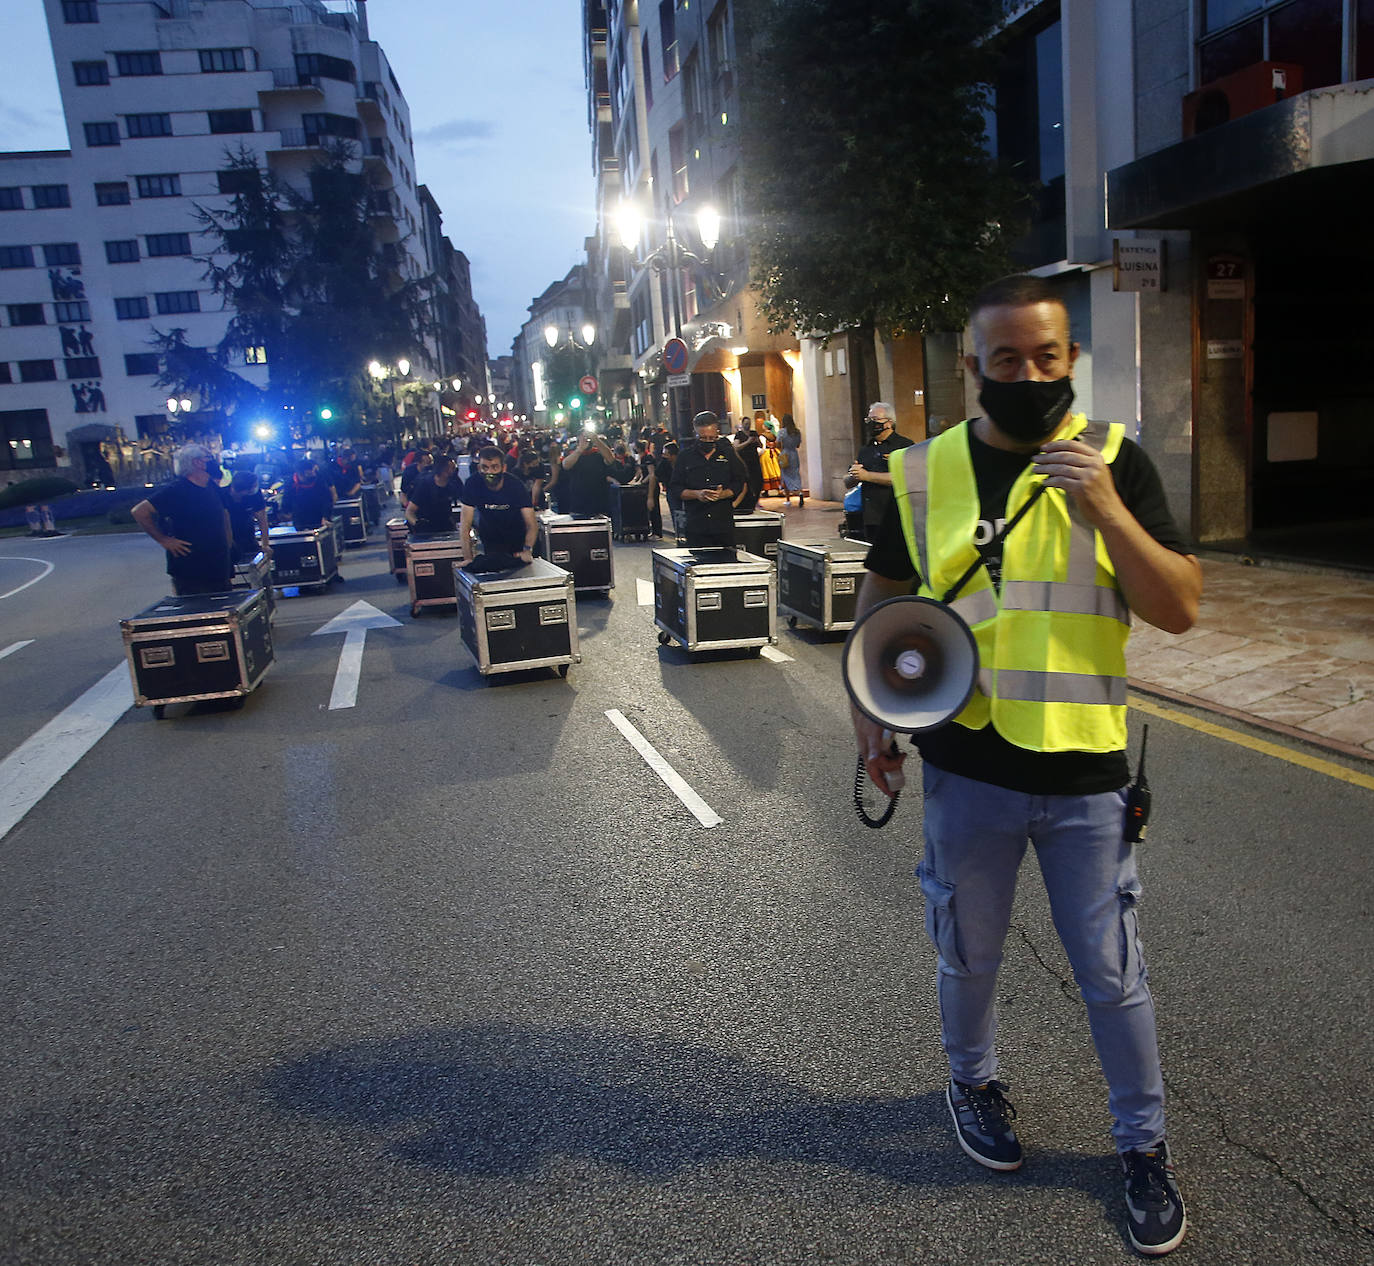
{"x": 1052, "y": 644}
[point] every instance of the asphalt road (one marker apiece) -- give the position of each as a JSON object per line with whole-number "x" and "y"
{"x": 452, "y": 977}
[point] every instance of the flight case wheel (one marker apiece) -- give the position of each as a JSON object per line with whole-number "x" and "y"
{"x": 663, "y": 638}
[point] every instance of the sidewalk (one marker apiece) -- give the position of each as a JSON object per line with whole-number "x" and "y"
{"x": 1285, "y": 649}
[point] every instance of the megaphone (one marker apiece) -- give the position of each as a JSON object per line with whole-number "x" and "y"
{"x": 910, "y": 664}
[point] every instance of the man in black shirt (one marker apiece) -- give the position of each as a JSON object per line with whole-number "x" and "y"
{"x": 708, "y": 477}
{"x": 500, "y": 505}
{"x": 309, "y": 498}
{"x": 430, "y": 508}
{"x": 870, "y": 467}
{"x": 346, "y": 475}
{"x": 585, "y": 471}
{"x": 247, "y": 516}
{"x": 1038, "y": 753}
{"x": 188, "y": 519}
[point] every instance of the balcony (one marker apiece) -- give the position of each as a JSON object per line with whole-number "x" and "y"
{"x": 383, "y": 204}
{"x": 598, "y": 42}
{"x": 299, "y": 138}
{"x": 603, "y": 107}
{"x": 372, "y": 101}
{"x": 286, "y": 79}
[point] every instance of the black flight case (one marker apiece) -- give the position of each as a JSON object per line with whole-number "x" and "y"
{"x": 303, "y": 558}
{"x": 429, "y": 569}
{"x": 715, "y": 599}
{"x": 371, "y": 497}
{"x": 513, "y": 620}
{"x": 203, "y": 646}
{"x": 350, "y": 511}
{"x": 397, "y": 533}
{"x": 256, "y": 573}
{"x": 818, "y": 582}
{"x": 759, "y": 532}
{"x": 581, "y": 545}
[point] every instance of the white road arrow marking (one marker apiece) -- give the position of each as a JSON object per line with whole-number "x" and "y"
{"x": 777, "y": 656}
{"x": 29, "y": 772}
{"x": 645, "y": 592}
{"x": 353, "y": 624}
{"x": 16, "y": 646}
{"x": 20, "y": 558}
{"x": 674, "y": 781}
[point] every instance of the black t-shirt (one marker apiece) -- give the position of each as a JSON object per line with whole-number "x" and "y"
{"x": 663, "y": 472}
{"x": 712, "y": 466}
{"x": 345, "y": 478}
{"x": 877, "y": 497}
{"x": 195, "y": 514}
{"x": 433, "y": 504}
{"x": 583, "y": 485}
{"x": 243, "y": 519}
{"x": 984, "y": 754}
{"x": 311, "y": 504}
{"x": 500, "y": 512}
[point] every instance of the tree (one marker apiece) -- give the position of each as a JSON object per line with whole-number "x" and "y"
{"x": 873, "y": 200}
{"x": 310, "y": 284}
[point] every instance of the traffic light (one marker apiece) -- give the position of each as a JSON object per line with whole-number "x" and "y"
{"x": 575, "y": 402}
{"x": 326, "y": 414}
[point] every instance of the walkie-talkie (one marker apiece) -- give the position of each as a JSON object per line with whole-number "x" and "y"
{"x": 1138, "y": 799}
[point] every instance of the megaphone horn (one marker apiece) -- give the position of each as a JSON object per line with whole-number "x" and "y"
{"x": 910, "y": 664}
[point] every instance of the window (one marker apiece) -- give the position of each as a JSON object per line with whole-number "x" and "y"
{"x": 150, "y": 425}
{"x": 46, "y": 197}
{"x": 91, "y": 74}
{"x": 25, "y": 439}
{"x": 134, "y": 308}
{"x": 168, "y": 186}
{"x": 16, "y": 256}
{"x": 172, "y": 302}
{"x": 160, "y": 244}
{"x": 1239, "y": 33}
{"x": 74, "y": 11}
{"x": 214, "y": 60}
{"x": 239, "y": 179}
{"x": 140, "y": 364}
{"x": 123, "y": 252}
{"x": 329, "y": 125}
{"x": 255, "y": 356}
{"x": 667, "y": 30}
{"x": 71, "y": 311}
{"x": 82, "y": 367}
{"x": 648, "y": 70}
{"x": 148, "y": 62}
{"x": 98, "y": 134}
{"x": 5, "y": 375}
{"x": 26, "y": 314}
{"x": 222, "y": 121}
{"x": 12, "y": 199}
{"x": 141, "y": 125}
{"x": 677, "y": 157}
{"x": 37, "y": 371}
{"x": 62, "y": 255}
{"x": 112, "y": 193}
{"x": 311, "y": 66}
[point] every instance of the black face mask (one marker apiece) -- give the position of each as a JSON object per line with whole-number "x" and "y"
{"x": 215, "y": 471}
{"x": 1027, "y": 411}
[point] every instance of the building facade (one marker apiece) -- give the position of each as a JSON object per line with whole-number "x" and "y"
{"x": 663, "y": 112}
{"x": 98, "y": 243}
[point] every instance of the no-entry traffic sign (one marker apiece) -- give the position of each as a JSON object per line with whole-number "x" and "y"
{"x": 675, "y": 356}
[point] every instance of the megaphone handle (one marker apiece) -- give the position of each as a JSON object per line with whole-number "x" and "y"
{"x": 896, "y": 779}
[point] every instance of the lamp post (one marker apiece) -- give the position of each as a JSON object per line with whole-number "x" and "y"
{"x": 557, "y": 337}
{"x": 670, "y": 257}
{"x": 389, "y": 373}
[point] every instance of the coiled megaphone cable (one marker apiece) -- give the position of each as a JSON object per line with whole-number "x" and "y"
{"x": 896, "y": 780}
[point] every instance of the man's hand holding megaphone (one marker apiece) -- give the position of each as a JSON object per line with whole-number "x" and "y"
{"x": 881, "y": 756}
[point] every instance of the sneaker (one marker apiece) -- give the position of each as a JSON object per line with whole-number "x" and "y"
{"x": 1156, "y": 1217}
{"x": 982, "y": 1121}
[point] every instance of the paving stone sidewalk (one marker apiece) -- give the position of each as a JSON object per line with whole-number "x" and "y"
{"x": 1288, "y": 649}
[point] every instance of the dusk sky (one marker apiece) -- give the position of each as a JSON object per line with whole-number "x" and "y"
{"x": 499, "y": 111}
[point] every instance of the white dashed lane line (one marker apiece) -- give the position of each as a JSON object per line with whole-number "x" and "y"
{"x": 674, "y": 781}
{"x": 15, "y": 646}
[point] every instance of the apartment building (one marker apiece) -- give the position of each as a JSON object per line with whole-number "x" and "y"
{"x": 97, "y": 242}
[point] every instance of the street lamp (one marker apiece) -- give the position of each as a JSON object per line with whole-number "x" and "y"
{"x": 670, "y": 257}
{"x": 182, "y": 405}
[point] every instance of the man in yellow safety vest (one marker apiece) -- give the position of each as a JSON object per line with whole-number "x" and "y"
{"x": 1038, "y": 754}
